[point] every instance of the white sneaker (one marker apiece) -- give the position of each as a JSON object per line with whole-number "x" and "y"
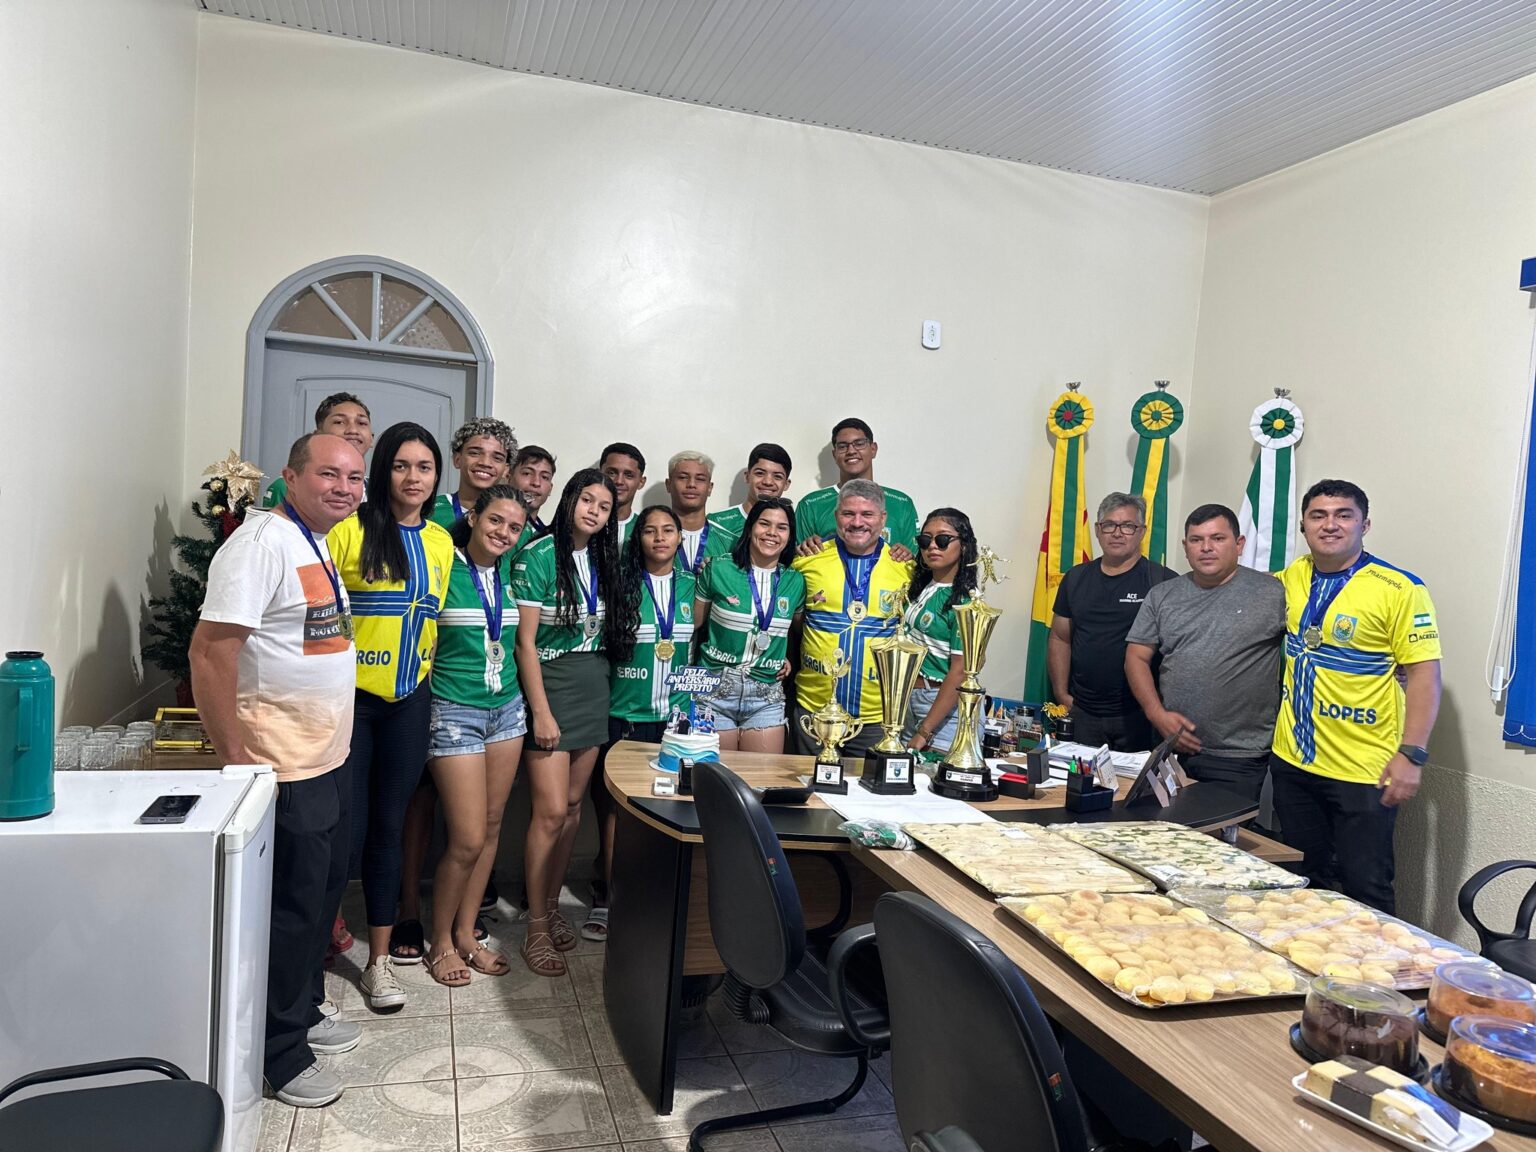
{"x": 315, "y": 1087}
{"x": 333, "y": 1036}
{"x": 380, "y": 988}
{"x": 329, "y": 1008}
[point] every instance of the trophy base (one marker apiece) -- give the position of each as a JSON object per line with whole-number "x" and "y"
{"x": 889, "y": 773}
{"x": 829, "y": 778}
{"x": 959, "y": 784}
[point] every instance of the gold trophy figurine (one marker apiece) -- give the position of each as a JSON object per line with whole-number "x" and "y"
{"x": 831, "y": 726}
{"x": 964, "y": 774}
{"x": 898, "y": 660}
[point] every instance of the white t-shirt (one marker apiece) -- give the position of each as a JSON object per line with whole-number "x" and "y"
{"x": 297, "y": 672}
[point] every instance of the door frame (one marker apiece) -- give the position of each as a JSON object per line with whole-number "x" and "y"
{"x": 479, "y": 361}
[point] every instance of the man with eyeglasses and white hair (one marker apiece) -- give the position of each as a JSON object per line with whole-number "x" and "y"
{"x": 1095, "y": 608}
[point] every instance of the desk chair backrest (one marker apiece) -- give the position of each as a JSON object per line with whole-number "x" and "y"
{"x": 754, "y": 906}
{"x": 969, "y": 1043}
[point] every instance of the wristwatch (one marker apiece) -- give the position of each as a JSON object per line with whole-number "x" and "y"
{"x": 1414, "y": 754}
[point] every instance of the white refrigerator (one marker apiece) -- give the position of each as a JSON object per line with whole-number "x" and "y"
{"x": 127, "y": 939}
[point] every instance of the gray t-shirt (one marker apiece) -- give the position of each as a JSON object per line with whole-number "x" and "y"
{"x": 1221, "y": 652}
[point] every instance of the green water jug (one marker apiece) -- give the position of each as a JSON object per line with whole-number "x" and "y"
{"x": 26, "y": 736}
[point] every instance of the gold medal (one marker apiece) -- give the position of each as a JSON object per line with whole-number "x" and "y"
{"x": 665, "y": 649}
{"x": 857, "y": 611}
{"x": 346, "y": 625}
{"x": 1313, "y": 637}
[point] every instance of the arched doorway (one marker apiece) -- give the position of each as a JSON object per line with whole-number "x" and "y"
{"x": 362, "y": 324}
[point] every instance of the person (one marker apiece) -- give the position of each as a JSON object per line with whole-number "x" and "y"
{"x": 483, "y": 450}
{"x": 748, "y": 601}
{"x": 854, "y": 451}
{"x": 944, "y": 580}
{"x": 395, "y": 564}
{"x": 577, "y": 611}
{"x": 640, "y": 701}
{"x": 339, "y": 414}
{"x": 850, "y": 599}
{"x": 1350, "y": 744}
{"x": 533, "y": 474}
{"x": 624, "y": 465}
{"x": 476, "y": 728}
{"x": 1218, "y": 633}
{"x": 766, "y": 477}
{"x": 1096, "y": 605}
{"x": 690, "y": 480}
{"x": 273, "y": 667}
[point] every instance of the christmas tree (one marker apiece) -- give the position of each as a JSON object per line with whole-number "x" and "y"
{"x": 233, "y": 487}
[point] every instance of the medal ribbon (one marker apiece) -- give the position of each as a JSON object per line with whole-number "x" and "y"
{"x": 493, "y": 610}
{"x": 698, "y": 557}
{"x": 589, "y": 589}
{"x": 458, "y": 509}
{"x": 762, "y": 614}
{"x": 665, "y": 617}
{"x": 328, "y": 568}
{"x": 858, "y": 587}
{"x": 1326, "y": 587}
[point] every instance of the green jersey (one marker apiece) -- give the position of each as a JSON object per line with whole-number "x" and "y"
{"x": 730, "y": 523}
{"x": 536, "y": 588}
{"x": 730, "y": 639}
{"x": 932, "y": 620}
{"x": 627, "y": 526}
{"x": 816, "y": 515}
{"x": 276, "y": 494}
{"x": 463, "y": 670}
{"x": 447, "y": 509}
{"x": 702, "y": 545}
{"x": 638, "y": 689}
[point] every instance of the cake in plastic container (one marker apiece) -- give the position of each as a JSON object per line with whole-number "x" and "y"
{"x": 1478, "y": 988}
{"x": 1491, "y": 1062}
{"x": 1343, "y": 1018}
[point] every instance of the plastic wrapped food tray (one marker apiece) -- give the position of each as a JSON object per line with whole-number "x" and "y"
{"x": 1154, "y": 952}
{"x": 1014, "y": 860}
{"x": 1179, "y": 857}
{"x": 1327, "y": 934}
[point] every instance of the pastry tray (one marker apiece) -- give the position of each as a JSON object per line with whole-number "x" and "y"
{"x": 1017, "y": 860}
{"x": 1179, "y": 857}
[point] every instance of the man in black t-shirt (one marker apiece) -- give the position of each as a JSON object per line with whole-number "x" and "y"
{"x": 1095, "y": 608}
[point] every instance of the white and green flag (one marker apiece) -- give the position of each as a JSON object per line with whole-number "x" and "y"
{"x": 1268, "y": 518}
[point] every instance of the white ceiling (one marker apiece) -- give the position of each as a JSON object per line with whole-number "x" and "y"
{"x": 1200, "y": 95}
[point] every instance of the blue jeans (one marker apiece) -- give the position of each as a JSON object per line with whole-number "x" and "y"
{"x": 917, "y": 709}
{"x": 742, "y": 702}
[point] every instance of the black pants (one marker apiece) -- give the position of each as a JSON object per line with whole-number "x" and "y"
{"x": 1131, "y": 732}
{"x": 388, "y": 754}
{"x": 802, "y": 745}
{"x": 1244, "y": 773}
{"x": 309, "y": 874}
{"x": 1343, "y": 831}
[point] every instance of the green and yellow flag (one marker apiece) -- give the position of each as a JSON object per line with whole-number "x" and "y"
{"x": 1155, "y": 417}
{"x": 1067, "y": 539}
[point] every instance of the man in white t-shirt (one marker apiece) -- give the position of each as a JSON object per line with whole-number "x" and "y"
{"x": 273, "y": 670}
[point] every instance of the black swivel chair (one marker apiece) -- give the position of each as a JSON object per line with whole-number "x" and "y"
{"x": 1513, "y": 951}
{"x": 772, "y": 976}
{"x": 171, "y": 1115}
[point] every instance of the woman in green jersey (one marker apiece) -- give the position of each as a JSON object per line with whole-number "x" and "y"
{"x": 746, "y": 604}
{"x": 945, "y": 578}
{"x": 476, "y": 728}
{"x": 576, "y": 612}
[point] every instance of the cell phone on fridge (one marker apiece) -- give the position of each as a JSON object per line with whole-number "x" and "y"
{"x": 169, "y": 810}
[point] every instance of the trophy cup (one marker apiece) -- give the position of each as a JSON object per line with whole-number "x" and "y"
{"x": 898, "y": 660}
{"x": 831, "y": 726}
{"x": 964, "y": 775}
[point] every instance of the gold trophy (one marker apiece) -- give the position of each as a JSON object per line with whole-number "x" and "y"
{"x": 964, "y": 774}
{"x": 898, "y": 660}
{"x": 831, "y": 726}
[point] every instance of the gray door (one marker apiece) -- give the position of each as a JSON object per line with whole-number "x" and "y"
{"x": 437, "y": 395}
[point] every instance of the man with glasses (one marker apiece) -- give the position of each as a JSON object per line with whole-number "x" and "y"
{"x": 854, "y": 451}
{"x": 1095, "y": 607}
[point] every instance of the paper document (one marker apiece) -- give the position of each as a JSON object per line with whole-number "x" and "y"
{"x": 923, "y": 807}
{"x": 1128, "y": 764}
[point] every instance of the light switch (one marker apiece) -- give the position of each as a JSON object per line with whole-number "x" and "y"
{"x": 931, "y": 333}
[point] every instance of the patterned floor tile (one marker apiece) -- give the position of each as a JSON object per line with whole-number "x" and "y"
{"x": 532, "y": 1040}
{"x": 740, "y": 1037}
{"x": 390, "y": 1118}
{"x": 705, "y": 1089}
{"x": 405, "y": 1051}
{"x": 587, "y": 975}
{"x": 852, "y": 1134}
{"x": 697, "y": 1038}
{"x": 777, "y": 1079}
{"x": 534, "y": 1112}
{"x": 276, "y": 1125}
{"x": 424, "y": 996}
{"x": 511, "y": 993}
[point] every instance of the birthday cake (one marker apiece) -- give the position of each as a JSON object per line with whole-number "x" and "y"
{"x": 679, "y": 746}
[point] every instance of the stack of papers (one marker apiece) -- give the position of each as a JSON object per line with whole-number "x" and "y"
{"x": 923, "y": 807}
{"x": 1127, "y": 764}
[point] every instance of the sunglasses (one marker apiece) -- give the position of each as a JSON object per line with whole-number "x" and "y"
{"x": 943, "y": 540}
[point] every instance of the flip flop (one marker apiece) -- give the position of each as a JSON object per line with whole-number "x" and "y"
{"x": 595, "y": 927}
{"x": 407, "y": 934}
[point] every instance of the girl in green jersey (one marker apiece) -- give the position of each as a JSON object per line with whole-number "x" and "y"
{"x": 945, "y": 577}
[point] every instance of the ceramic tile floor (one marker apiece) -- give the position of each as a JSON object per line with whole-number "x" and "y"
{"x": 524, "y": 1063}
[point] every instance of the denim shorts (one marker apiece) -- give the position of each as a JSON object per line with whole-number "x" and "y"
{"x": 459, "y": 730}
{"x": 742, "y": 702}
{"x": 917, "y": 709}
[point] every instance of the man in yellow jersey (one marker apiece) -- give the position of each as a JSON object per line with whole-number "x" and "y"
{"x": 1350, "y": 742}
{"x": 850, "y": 599}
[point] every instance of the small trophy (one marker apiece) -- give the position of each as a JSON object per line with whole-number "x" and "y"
{"x": 898, "y": 660}
{"x": 964, "y": 775}
{"x": 831, "y": 726}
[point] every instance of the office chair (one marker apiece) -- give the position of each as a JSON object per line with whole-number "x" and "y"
{"x": 772, "y": 976}
{"x": 171, "y": 1115}
{"x": 1513, "y": 951}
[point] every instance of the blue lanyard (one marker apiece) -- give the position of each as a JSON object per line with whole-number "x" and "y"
{"x": 1326, "y": 587}
{"x": 858, "y": 587}
{"x": 664, "y": 624}
{"x": 589, "y": 589}
{"x": 698, "y": 557}
{"x": 458, "y": 509}
{"x": 492, "y": 610}
{"x": 763, "y": 613}
{"x": 328, "y": 569}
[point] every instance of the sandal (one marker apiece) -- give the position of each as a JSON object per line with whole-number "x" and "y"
{"x": 492, "y": 963}
{"x": 560, "y": 931}
{"x": 407, "y": 934}
{"x": 341, "y": 938}
{"x": 455, "y": 977}
{"x": 482, "y": 933}
{"x": 595, "y": 927}
{"x": 539, "y": 954}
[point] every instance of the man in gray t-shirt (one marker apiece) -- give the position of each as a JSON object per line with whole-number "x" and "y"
{"x": 1218, "y": 631}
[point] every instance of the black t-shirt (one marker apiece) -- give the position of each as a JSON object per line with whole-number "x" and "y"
{"x": 1102, "y": 609}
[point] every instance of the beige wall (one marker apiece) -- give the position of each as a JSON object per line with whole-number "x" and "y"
{"x": 688, "y": 277}
{"x": 95, "y": 227}
{"x": 1379, "y": 283}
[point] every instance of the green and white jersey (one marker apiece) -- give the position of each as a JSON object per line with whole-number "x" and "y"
{"x": 715, "y": 545}
{"x": 638, "y": 689}
{"x": 445, "y": 511}
{"x": 730, "y": 523}
{"x": 728, "y": 639}
{"x": 816, "y": 515}
{"x": 932, "y": 620}
{"x": 463, "y": 670}
{"x": 627, "y": 526}
{"x": 536, "y": 589}
{"x": 276, "y": 493}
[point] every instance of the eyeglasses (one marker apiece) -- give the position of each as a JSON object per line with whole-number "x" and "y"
{"x": 943, "y": 540}
{"x": 1118, "y": 528}
{"x": 850, "y": 445}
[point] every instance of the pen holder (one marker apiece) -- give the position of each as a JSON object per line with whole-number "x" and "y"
{"x": 1083, "y": 795}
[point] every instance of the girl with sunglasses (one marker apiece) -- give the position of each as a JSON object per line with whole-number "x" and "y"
{"x": 746, "y": 604}
{"x": 945, "y": 578}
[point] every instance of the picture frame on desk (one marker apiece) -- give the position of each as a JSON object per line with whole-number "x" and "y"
{"x": 1160, "y": 778}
